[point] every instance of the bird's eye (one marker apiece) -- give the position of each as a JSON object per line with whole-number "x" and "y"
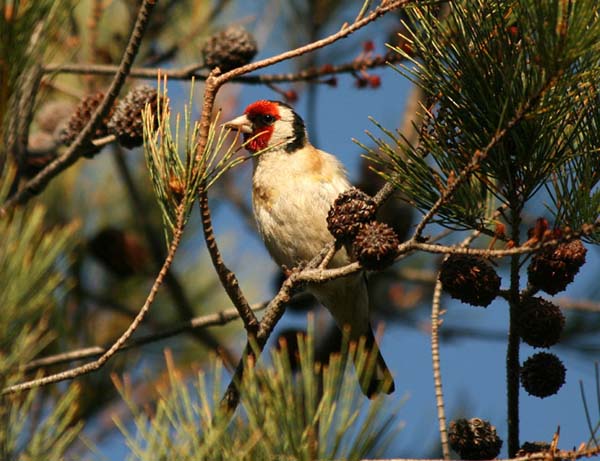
{"x": 267, "y": 119}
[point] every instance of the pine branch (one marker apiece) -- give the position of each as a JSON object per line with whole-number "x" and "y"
{"x": 75, "y": 150}
{"x": 194, "y": 324}
{"x": 436, "y": 322}
{"x": 193, "y": 71}
{"x": 226, "y": 276}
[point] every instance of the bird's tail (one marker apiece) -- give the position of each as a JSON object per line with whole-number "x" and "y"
{"x": 373, "y": 373}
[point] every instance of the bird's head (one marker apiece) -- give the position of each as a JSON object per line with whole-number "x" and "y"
{"x": 270, "y": 124}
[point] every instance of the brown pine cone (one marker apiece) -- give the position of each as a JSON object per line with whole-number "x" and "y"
{"x": 127, "y": 123}
{"x": 552, "y": 269}
{"x": 470, "y": 279}
{"x": 474, "y": 439}
{"x": 376, "y": 246}
{"x": 542, "y": 374}
{"x": 80, "y": 118}
{"x": 540, "y": 322}
{"x": 120, "y": 252}
{"x": 229, "y": 48}
{"x": 350, "y": 210}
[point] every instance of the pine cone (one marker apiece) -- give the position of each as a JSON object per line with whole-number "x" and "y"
{"x": 532, "y": 447}
{"x": 229, "y": 48}
{"x": 553, "y": 269}
{"x": 119, "y": 251}
{"x": 349, "y": 212}
{"x": 470, "y": 279}
{"x": 542, "y": 374}
{"x": 474, "y": 439}
{"x": 81, "y": 117}
{"x": 127, "y": 123}
{"x": 376, "y": 246}
{"x": 540, "y": 322}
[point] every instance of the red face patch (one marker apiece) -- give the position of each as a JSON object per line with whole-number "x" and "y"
{"x": 261, "y": 114}
{"x": 262, "y": 107}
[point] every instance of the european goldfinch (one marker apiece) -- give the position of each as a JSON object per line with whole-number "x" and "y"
{"x": 293, "y": 187}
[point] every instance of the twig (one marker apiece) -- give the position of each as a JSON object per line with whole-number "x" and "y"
{"x": 193, "y": 71}
{"x": 26, "y": 103}
{"x": 37, "y": 184}
{"x": 92, "y": 25}
{"x": 226, "y": 276}
{"x": 329, "y": 256}
{"x": 588, "y": 418}
{"x": 539, "y": 456}
{"x": 96, "y": 364}
{"x": 584, "y": 305}
{"x": 435, "y": 352}
{"x": 437, "y": 373}
{"x": 197, "y": 323}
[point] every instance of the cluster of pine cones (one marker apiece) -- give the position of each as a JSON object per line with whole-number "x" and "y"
{"x": 227, "y": 49}
{"x": 124, "y": 119}
{"x": 351, "y": 220}
{"x": 539, "y": 322}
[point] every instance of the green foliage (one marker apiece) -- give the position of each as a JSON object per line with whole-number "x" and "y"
{"x": 23, "y": 439}
{"x": 314, "y": 413}
{"x": 29, "y": 277}
{"x": 24, "y": 30}
{"x": 517, "y": 80}
{"x": 175, "y": 180}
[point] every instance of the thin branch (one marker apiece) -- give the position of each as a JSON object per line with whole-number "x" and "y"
{"x": 83, "y": 139}
{"x": 549, "y": 455}
{"x": 26, "y": 104}
{"x": 95, "y": 365}
{"x": 480, "y": 155}
{"x": 226, "y": 276}
{"x": 423, "y": 276}
{"x": 436, "y": 322}
{"x": 193, "y": 71}
{"x": 310, "y": 275}
{"x": 584, "y": 305}
{"x": 195, "y": 324}
{"x": 588, "y": 418}
{"x": 437, "y": 373}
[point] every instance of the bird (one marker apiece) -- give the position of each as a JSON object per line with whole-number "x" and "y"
{"x": 294, "y": 185}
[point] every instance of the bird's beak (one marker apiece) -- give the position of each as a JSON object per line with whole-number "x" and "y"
{"x": 241, "y": 124}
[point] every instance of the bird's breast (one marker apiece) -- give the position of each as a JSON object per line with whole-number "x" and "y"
{"x": 291, "y": 196}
